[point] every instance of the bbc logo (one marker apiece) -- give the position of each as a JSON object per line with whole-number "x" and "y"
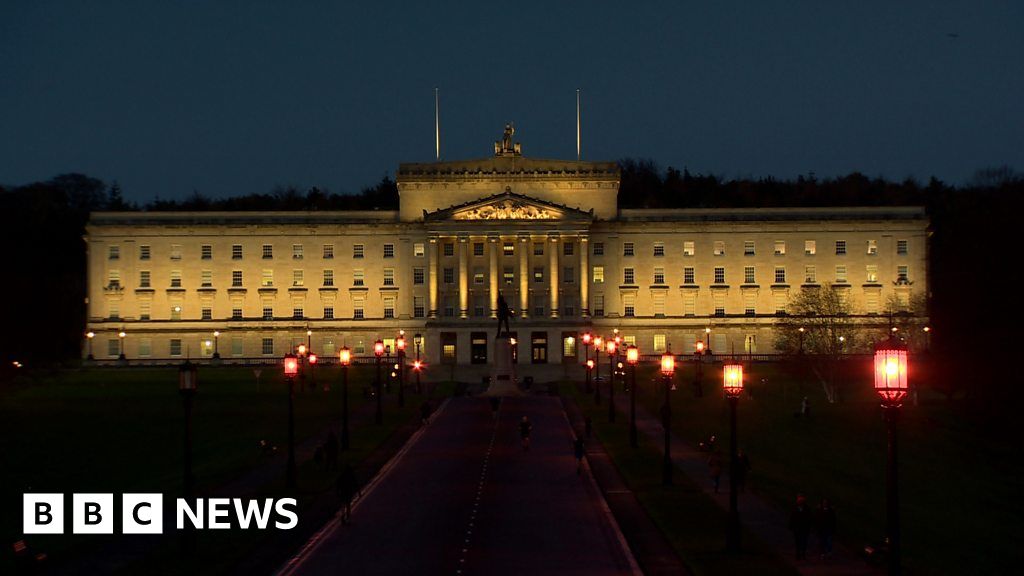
{"x": 92, "y": 514}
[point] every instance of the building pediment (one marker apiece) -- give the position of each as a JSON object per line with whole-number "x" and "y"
{"x": 508, "y": 206}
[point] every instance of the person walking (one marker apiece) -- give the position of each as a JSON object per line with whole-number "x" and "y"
{"x": 715, "y": 469}
{"x": 578, "y": 450}
{"x": 800, "y": 524}
{"x": 524, "y": 432}
{"x": 825, "y": 526}
{"x": 345, "y": 489}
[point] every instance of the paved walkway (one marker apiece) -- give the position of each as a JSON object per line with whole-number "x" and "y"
{"x": 465, "y": 498}
{"x": 759, "y": 516}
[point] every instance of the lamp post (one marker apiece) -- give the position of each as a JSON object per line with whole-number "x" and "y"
{"x": 188, "y": 385}
{"x": 418, "y": 339}
{"x": 587, "y": 337}
{"x": 309, "y": 339}
{"x": 632, "y": 357}
{"x": 291, "y": 368}
{"x": 891, "y": 386}
{"x": 216, "y": 344}
{"x": 611, "y": 347}
{"x": 698, "y": 376}
{"x": 89, "y": 336}
{"x": 120, "y": 345}
{"x": 733, "y": 386}
{"x": 301, "y": 361}
{"x": 927, "y": 339}
{"x": 312, "y": 371}
{"x": 378, "y": 351}
{"x": 400, "y": 345}
{"x": 344, "y": 358}
{"x": 598, "y": 342}
{"x": 668, "y": 370}
{"x": 707, "y": 339}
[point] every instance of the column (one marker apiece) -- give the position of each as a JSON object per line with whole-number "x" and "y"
{"x": 433, "y": 261}
{"x": 463, "y": 277}
{"x": 524, "y": 276}
{"x": 553, "y": 275}
{"x": 492, "y": 253}
{"x": 584, "y": 276}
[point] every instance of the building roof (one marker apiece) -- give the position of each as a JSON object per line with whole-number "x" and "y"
{"x": 773, "y": 214}
{"x": 506, "y": 165}
{"x": 241, "y": 218}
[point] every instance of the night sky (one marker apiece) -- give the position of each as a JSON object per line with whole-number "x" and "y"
{"x": 234, "y": 98}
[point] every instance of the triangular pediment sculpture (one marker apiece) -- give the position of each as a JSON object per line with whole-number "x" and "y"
{"x": 508, "y": 206}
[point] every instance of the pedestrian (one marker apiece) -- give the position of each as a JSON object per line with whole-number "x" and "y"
{"x": 800, "y": 523}
{"x": 524, "y": 432}
{"x": 495, "y": 404}
{"x": 715, "y": 469}
{"x": 742, "y": 468}
{"x": 577, "y": 447}
{"x": 345, "y": 488}
{"x": 331, "y": 450}
{"x": 825, "y": 526}
{"x": 425, "y": 410}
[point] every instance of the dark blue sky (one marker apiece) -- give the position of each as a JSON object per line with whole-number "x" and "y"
{"x": 237, "y": 97}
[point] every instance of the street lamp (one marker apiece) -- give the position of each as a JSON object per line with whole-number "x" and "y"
{"x": 344, "y": 358}
{"x": 698, "y": 375}
{"x": 891, "y": 369}
{"x": 89, "y": 338}
{"x": 378, "y": 351}
{"x": 120, "y": 347}
{"x": 216, "y": 344}
{"x": 418, "y": 339}
{"x": 800, "y": 331}
{"x": 632, "y": 357}
{"x": 668, "y": 370}
{"x": 587, "y": 337}
{"x": 400, "y": 345}
{"x": 733, "y": 386}
{"x": 291, "y": 368}
{"x": 707, "y": 339}
{"x": 927, "y": 339}
{"x": 302, "y": 348}
{"x": 611, "y": 346}
{"x": 188, "y": 385}
{"x": 598, "y": 343}
{"x": 312, "y": 370}
{"x": 309, "y": 339}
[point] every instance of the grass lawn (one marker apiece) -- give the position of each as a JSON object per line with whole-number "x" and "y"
{"x": 959, "y": 487}
{"x": 117, "y": 431}
{"x": 693, "y": 523}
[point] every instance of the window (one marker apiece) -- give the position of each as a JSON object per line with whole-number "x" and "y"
{"x": 267, "y": 347}
{"x": 114, "y": 347}
{"x": 144, "y": 252}
{"x": 449, "y": 249}
{"x": 389, "y": 276}
{"x": 567, "y": 248}
{"x": 418, "y": 250}
{"x": 901, "y": 275}
{"x": 719, "y": 248}
{"x": 175, "y": 278}
{"x": 357, "y": 251}
{"x": 478, "y": 275}
{"x": 418, "y": 307}
{"x": 508, "y": 248}
{"x": 597, "y": 305}
{"x": 659, "y": 275}
{"x": 780, "y": 247}
{"x": 779, "y": 301}
{"x": 810, "y": 275}
{"x": 478, "y": 348}
{"x": 872, "y": 247}
{"x": 114, "y": 253}
{"x": 206, "y": 278}
{"x": 659, "y": 343}
{"x": 871, "y": 302}
{"x": 268, "y": 313}
{"x": 478, "y": 248}
{"x": 841, "y": 274}
{"x": 627, "y": 249}
{"x": 508, "y": 276}
{"x": 328, "y": 251}
{"x": 268, "y": 251}
{"x": 748, "y": 247}
{"x": 538, "y": 273}
{"x": 328, "y": 277}
{"x": 598, "y": 274}
{"x": 267, "y": 278}
{"x": 658, "y": 299}
{"x": 328, "y": 312}
{"x": 176, "y": 312}
{"x": 448, "y": 351}
{"x": 598, "y": 248}
{"x": 236, "y": 313}
{"x": 810, "y": 247}
{"x": 688, "y": 248}
{"x": 448, "y": 275}
{"x": 749, "y": 303}
{"x": 389, "y": 250}
{"x": 629, "y": 305}
{"x": 538, "y": 305}
{"x": 175, "y": 347}
{"x": 688, "y": 275}
{"x": 719, "y": 275}
{"x": 237, "y": 346}
{"x": 297, "y": 278}
{"x": 114, "y": 279}
{"x": 175, "y": 251}
{"x": 206, "y": 252}
{"x": 358, "y": 307}
{"x": 144, "y": 278}
{"x": 569, "y": 346}
{"x": 840, "y": 247}
{"x": 145, "y": 347}
{"x": 479, "y": 306}
{"x": 297, "y": 251}
{"x": 871, "y": 274}
{"x": 628, "y": 276}
{"x": 236, "y": 278}
{"x": 236, "y": 251}
{"x": 389, "y": 307}
{"x": 569, "y": 307}
{"x": 539, "y": 347}
{"x": 357, "y": 277}
{"x": 719, "y": 303}
{"x": 659, "y": 249}
{"x": 901, "y": 247}
{"x": 538, "y": 248}
{"x": 145, "y": 309}
{"x": 748, "y": 275}
{"x": 568, "y": 275}
{"x": 780, "y": 274}
{"x": 114, "y": 310}
{"x": 689, "y": 304}
{"x": 417, "y": 275}
{"x": 206, "y": 313}
{"x": 449, "y": 305}
{"x": 298, "y": 313}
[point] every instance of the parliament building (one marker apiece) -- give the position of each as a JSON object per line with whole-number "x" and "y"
{"x": 548, "y": 236}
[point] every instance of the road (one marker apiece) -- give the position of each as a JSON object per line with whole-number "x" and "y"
{"x": 466, "y": 498}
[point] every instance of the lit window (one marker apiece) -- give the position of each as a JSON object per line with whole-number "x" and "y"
{"x": 508, "y": 276}
{"x": 297, "y": 278}
{"x": 297, "y": 251}
{"x": 538, "y": 274}
{"x": 688, "y": 248}
{"x": 659, "y": 343}
{"x": 267, "y": 278}
{"x": 872, "y": 247}
{"x": 598, "y": 274}
{"x": 719, "y": 248}
{"x": 810, "y": 275}
{"x": 780, "y": 247}
{"x": 508, "y": 248}
{"x": 418, "y": 250}
{"x": 748, "y": 247}
{"x": 810, "y": 247}
{"x": 871, "y": 273}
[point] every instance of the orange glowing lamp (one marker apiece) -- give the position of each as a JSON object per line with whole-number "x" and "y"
{"x": 732, "y": 380}
{"x": 417, "y": 365}
{"x": 302, "y": 349}
{"x": 587, "y": 337}
{"x": 590, "y": 364}
{"x": 632, "y": 354}
{"x": 291, "y": 365}
{"x": 700, "y": 347}
{"x": 668, "y": 364}
{"x": 611, "y": 345}
{"x": 345, "y": 356}
{"x": 598, "y": 343}
{"x": 312, "y": 358}
{"x": 400, "y": 344}
{"x": 891, "y": 372}
{"x": 378, "y": 348}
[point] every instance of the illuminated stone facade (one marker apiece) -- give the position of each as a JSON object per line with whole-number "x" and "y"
{"x": 546, "y": 234}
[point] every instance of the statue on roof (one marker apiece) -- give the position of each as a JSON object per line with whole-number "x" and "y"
{"x": 506, "y": 146}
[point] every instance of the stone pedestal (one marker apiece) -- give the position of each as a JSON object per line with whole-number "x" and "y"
{"x": 503, "y": 371}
